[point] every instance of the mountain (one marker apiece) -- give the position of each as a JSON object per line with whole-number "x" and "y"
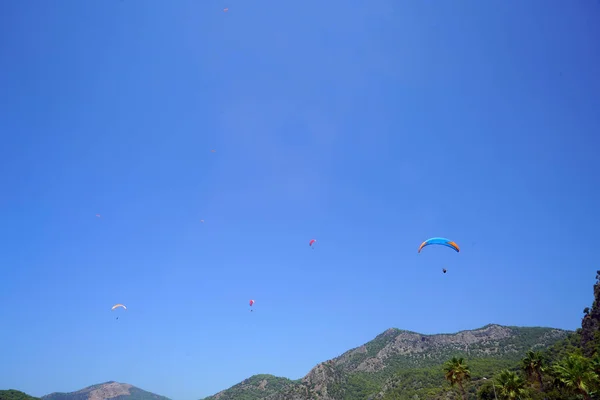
{"x": 12, "y": 394}
{"x": 400, "y": 359}
{"x": 109, "y": 390}
{"x": 256, "y": 387}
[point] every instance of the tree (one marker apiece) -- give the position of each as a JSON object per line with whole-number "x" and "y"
{"x": 595, "y": 364}
{"x": 457, "y": 372}
{"x": 510, "y": 386}
{"x": 532, "y": 365}
{"x": 487, "y": 391}
{"x": 576, "y": 373}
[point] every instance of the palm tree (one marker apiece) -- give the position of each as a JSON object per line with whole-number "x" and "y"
{"x": 457, "y": 372}
{"x": 532, "y": 364}
{"x": 510, "y": 385}
{"x": 575, "y": 372}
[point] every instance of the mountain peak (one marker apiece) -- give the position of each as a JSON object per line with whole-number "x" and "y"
{"x": 107, "y": 390}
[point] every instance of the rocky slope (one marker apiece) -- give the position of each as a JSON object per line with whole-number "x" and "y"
{"x": 255, "y": 387}
{"x": 366, "y": 371}
{"x": 109, "y": 390}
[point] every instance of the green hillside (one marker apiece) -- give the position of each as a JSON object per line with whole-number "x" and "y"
{"x": 401, "y": 361}
{"x": 12, "y": 394}
{"x": 255, "y": 387}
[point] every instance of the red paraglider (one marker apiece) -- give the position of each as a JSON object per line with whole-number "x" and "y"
{"x": 251, "y": 304}
{"x": 312, "y": 241}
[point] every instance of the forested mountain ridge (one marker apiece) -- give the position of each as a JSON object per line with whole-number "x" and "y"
{"x": 365, "y": 371}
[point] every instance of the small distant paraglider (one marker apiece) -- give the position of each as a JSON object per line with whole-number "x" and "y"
{"x": 312, "y": 241}
{"x": 251, "y": 302}
{"x": 444, "y": 270}
{"x": 214, "y": 151}
{"x": 202, "y": 221}
{"x": 225, "y": 9}
{"x": 98, "y": 216}
{"x": 117, "y": 306}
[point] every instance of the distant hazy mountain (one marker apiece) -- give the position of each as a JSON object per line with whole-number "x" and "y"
{"x": 109, "y": 390}
{"x": 399, "y": 358}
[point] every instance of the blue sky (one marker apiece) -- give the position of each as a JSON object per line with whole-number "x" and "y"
{"x": 369, "y": 126}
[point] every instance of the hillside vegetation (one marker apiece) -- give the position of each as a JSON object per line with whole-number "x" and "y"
{"x": 401, "y": 364}
{"x": 255, "y": 387}
{"x": 12, "y": 394}
{"x": 493, "y": 362}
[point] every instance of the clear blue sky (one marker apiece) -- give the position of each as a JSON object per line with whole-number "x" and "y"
{"x": 369, "y": 126}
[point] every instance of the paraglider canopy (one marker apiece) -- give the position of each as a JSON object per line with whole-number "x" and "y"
{"x": 312, "y": 241}
{"x": 251, "y": 303}
{"x": 441, "y": 241}
{"x": 117, "y": 306}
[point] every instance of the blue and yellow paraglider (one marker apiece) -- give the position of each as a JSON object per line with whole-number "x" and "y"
{"x": 440, "y": 241}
